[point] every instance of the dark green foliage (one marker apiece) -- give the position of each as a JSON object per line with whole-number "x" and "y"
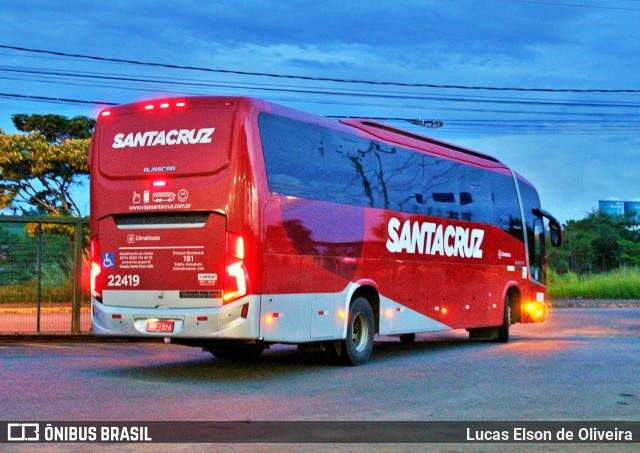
{"x": 40, "y": 167}
{"x": 597, "y": 243}
{"x": 56, "y": 128}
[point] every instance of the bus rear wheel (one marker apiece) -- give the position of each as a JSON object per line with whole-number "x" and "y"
{"x": 357, "y": 347}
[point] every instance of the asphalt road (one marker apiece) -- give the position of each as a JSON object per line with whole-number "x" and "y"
{"x": 581, "y": 364}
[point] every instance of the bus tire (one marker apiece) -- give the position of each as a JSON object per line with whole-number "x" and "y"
{"x": 503, "y": 330}
{"x": 407, "y": 338}
{"x": 356, "y": 348}
{"x": 239, "y": 352}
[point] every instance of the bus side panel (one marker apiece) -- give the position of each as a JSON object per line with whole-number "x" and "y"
{"x": 326, "y": 247}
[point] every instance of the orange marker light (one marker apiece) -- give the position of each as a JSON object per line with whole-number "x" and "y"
{"x": 444, "y": 311}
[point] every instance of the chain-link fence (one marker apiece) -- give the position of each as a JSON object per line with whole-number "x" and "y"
{"x": 44, "y": 275}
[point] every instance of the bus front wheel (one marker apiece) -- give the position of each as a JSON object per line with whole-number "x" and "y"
{"x": 503, "y": 330}
{"x": 407, "y": 338}
{"x": 356, "y": 348}
{"x": 238, "y": 352}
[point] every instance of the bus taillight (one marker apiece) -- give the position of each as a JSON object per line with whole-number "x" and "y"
{"x": 96, "y": 270}
{"x": 236, "y": 279}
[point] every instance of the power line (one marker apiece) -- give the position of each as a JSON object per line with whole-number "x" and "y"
{"x": 59, "y": 74}
{"x": 53, "y": 99}
{"x": 591, "y": 127}
{"x": 315, "y": 79}
{"x": 573, "y": 5}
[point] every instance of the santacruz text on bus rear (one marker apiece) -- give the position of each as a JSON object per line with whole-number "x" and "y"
{"x": 232, "y": 223}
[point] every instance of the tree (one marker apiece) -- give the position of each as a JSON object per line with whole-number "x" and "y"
{"x": 597, "y": 243}
{"x": 38, "y": 168}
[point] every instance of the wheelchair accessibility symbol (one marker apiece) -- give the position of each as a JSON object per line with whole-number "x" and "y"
{"x": 108, "y": 260}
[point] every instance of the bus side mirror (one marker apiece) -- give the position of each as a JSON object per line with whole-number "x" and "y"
{"x": 555, "y": 232}
{"x": 555, "y": 229}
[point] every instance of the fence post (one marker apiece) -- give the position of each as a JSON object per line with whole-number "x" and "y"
{"x": 77, "y": 286}
{"x": 39, "y": 258}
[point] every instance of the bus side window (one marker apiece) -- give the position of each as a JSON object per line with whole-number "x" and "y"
{"x": 440, "y": 188}
{"x": 348, "y": 175}
{"x": 537, "y": 251}
{"x": 506, "y": 208}
{"x": 293, "y": 153}
{"x": 475, "y": 195}
{"x": 534, "y": 230}
{"x": 400, "y": 174}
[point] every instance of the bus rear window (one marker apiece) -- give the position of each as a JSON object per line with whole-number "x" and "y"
{"x": 180, "y": 142}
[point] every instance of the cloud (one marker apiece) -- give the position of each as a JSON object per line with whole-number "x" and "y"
{"x": 489, "y": 43}
{"x": 571, "y": 172}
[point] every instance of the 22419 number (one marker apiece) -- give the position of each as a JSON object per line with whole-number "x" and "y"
{"x": 123, "y": 280}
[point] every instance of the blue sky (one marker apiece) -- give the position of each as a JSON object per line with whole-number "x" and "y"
{"x": 576, "y": 147}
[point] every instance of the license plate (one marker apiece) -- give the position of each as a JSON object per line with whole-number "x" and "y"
{"x": 159, "y": 325}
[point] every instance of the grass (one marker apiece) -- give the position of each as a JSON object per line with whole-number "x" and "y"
{"x": 623, "y": 283}
{"x": 56, "y": 286}
{"x": 28, "y": 292}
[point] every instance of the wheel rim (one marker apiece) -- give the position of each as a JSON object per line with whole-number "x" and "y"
{"x": 360, "y": 332}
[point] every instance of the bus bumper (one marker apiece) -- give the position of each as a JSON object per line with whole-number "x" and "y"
{"x": 232, "y": 321}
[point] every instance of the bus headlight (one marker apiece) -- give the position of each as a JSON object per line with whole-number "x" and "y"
{"x": 536, "y": 311}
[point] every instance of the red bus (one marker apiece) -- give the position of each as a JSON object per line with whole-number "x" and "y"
{"x": 232, "y": 223}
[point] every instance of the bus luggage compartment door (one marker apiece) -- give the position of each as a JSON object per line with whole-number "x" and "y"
{"x": 172, "y": 260}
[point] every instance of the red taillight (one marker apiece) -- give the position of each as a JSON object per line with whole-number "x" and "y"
{"x": 235, "y": 246}
{"x": 165, "y": 105}
{"x": 236, "y": 279}
{"x": 96, "y": 270}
